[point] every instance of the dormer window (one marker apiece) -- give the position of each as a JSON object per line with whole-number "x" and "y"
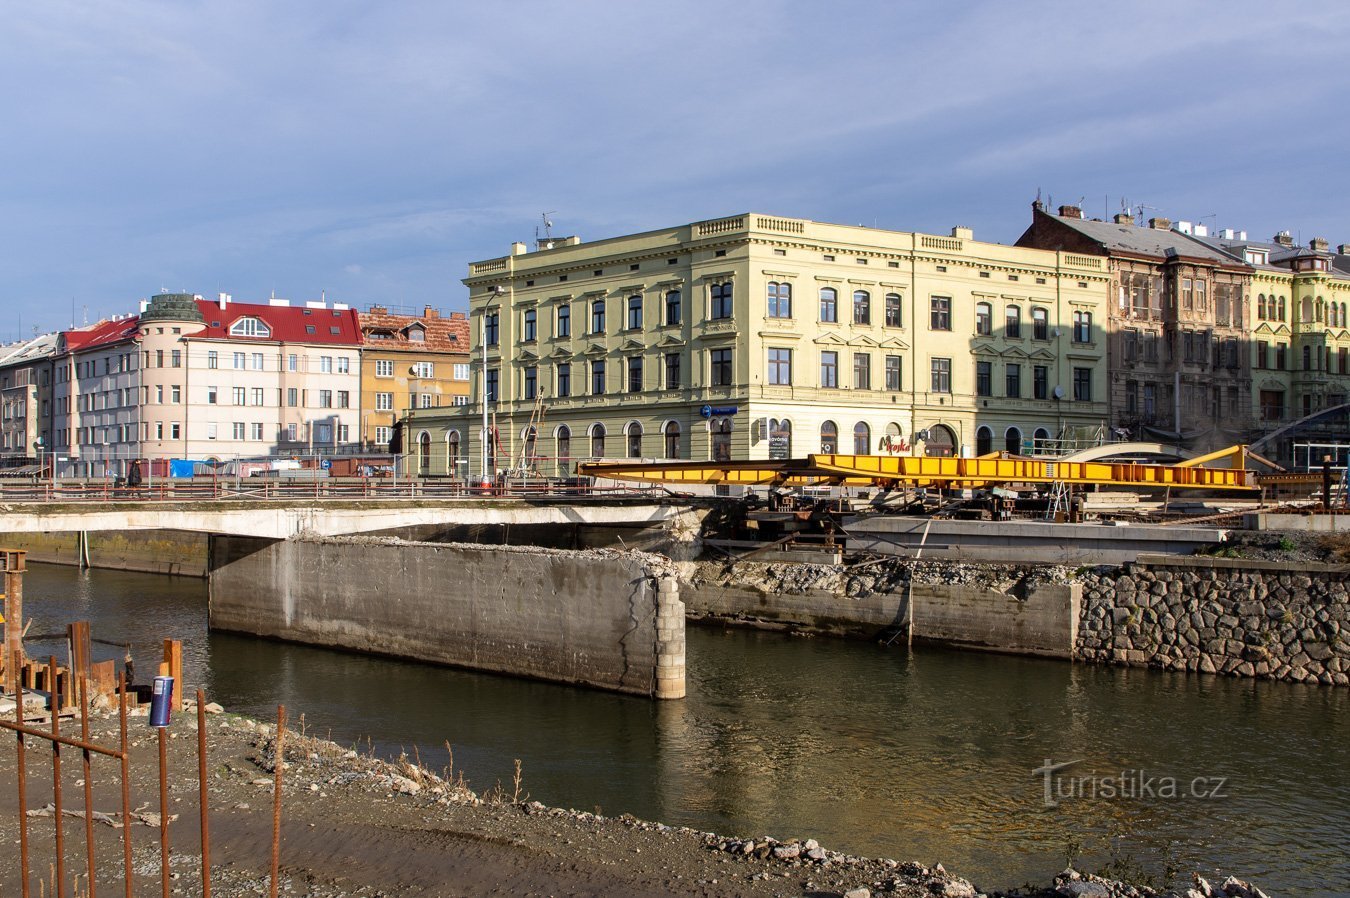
{"x": 250, "y": 327}
{"x": 1256, "y": 257}
{"x": 415, "y": 333}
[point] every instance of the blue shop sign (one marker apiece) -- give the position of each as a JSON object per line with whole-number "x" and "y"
{"x": 717, "y": 411}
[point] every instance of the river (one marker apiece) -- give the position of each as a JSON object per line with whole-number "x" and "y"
{"x": 927, "y": 755}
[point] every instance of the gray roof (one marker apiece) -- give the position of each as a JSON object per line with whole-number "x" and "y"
{"x": 1146, "y": 241}
{"x": 42, "y": 346}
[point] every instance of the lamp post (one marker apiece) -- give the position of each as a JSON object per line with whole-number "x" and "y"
{"x": 497, "y": 291}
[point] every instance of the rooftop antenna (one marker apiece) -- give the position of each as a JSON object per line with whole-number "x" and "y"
{"x": 545, "y": 242}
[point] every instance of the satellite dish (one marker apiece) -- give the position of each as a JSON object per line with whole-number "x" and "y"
{"x": 1058, "y": 392}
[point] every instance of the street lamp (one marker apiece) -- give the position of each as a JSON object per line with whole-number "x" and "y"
{"x": 497, "y": 291}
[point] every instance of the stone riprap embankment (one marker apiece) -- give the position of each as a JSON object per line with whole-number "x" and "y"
{"x": 1284, "y": 621}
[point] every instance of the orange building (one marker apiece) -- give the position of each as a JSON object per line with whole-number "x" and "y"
{"x": 410, "y": 361}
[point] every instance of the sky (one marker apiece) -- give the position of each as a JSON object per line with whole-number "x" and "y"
{"x": 366, "y": 152}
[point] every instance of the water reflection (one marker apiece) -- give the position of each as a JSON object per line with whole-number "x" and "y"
{"x": 926, "y": 755}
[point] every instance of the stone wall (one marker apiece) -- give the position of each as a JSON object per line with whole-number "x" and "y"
{"x": 1274, "y": 620}
{"x": 599, "y": 618}
{"x": 148, "y": 551}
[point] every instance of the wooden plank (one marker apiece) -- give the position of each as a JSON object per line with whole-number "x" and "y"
{"x": 173, "y": 657}
{"x": 103, "y": 678}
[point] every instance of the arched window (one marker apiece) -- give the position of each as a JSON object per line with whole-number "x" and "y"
{"x": 1012, "y": 318}
{"x": 1261, "y": 306}
{"x": 1283, "y": 310}
{"x": 780, "y": 438}
{"x": 829, "y": 304}
{"x": 634, "y": 433}
{"x": 1307, "y": 358}
{"x": 984, "y": 318}
{"x": 424, "y": 452}
{"x": 829, "y": 438}
{"x": 1305, "y": 313}
{"x": 720, "y": 439}
{"x": 780, "y": 300}
{"x": 862, "y": 439}
{"x": 893, "y": 441}
{"x": 597, "y": 441}
{"x": 984, "y": 441}
{"x": 1040, "y": 323}
{"x": 941, "y": 442}
{"x": 530, "y": 437}
{"x": 1041, "y": 438}
{"x": 1012, "y": 441}
{"x": 452, "y": 452}
{"x": 562, "y": 438}
{"x": 672, "y": 433}
{"x": 862, "y": 307}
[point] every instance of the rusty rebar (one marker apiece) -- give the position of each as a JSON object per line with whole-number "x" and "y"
{"x": 56, "y": 778}
{"x": 164, "y": 810}
{"x": 88, "y": 786}
{"x": 202, "y": 801}
{"x": 22, "y": 773}
{"x": 278, "y": 760}
{"x": 126, "y": 782}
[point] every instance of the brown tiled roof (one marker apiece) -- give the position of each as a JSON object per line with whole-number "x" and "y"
{"x": 382, "y": 330}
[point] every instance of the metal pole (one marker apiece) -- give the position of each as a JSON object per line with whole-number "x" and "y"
{"x": 202, "y": 800}
{"x": 17, "y": 660}
{"x": 163, "y": 810}
{"x": 278, "y": 761}
{"x": 56, "y": 777}
{"x": 126, "y": 781}
{"x": 88, "y": 788}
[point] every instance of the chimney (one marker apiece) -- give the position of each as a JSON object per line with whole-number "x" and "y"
{"x": 1160, "y": 224}
{"x": 378, "y": 310}
{"x": 1344, "y": 249}
{"x": 429, "y": 312}
{"x": 1070, "y": 212}
{"x": 1124, "y": 218}
{"x": 518, "y": 249}
{"x": 1283, "y": 239}
{"x": 145, "y": 304}
{"x": 962, "y": 232}
{"x": 1184, "y": 227}
{"x": 457, "y": 316}
{"x": 1319, "y": 244}
{"x": 223, "y": 299}
{"x": 1038, "y": 206}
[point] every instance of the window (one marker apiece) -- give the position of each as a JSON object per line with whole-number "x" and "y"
{"x": 159, "y": 398}
{"x": 1082, "y": 384}
{"x": 672, "y": 435}
{"x": 721, "y": 439}
{"x": 326, "y": 364}
{"x": 862, "y": 307}
{"x": 382, "y": 435}
{"x": 424, "y": 370}
{"x": 862, "y": 371}
{"x": 940, "y": 313}
{"x": 984, "y": 319}
{"x": 383, "y": 401}
{"x": 862, "y": 439}
{"x": 941, "y": 371}
{"x": 531, "y": 382}
{"x": 983, "y": 378}
{"x": 780, "y": 300}
{"x": 635, "y": 374}
{"x": 635, "y": 312}
{"x": 672, "y": 370}
{"x": 210, "y": 395}
{"x": 176, "y": 394}
{"x": 461, "y": 371}
{"x": 257, "y": 361}
{"x": 564, "y": 325}
{"x": 563, "y": 436}
{"x": 1040, "y": 323}
{"x": 894, "y": 316}
{"x": 1272, "y": 405}
{"x": 1082, "y": 327}
{"x": 672, "y": 307}
{"x": 984, "y": 441}
{"x": 256, "y": 430}
{"x": 829, "y": 369}
{"x": 293, "y": 363}
{"x": 1262, "y": 354}
{"x": 1012, "y": 322}
{"x": 493, "y": 382}
{"x": 634, "y": 434}
{"x": 210, "y": 431}
{"x": 212, "y": 359}
{"x": 240, "y": 359}
{"x": 1012, "y": 441}
{"x": 829, "y": 438}
{"x": 598, "y": 440}
{"x": 530, "y": 325}
{"x": 240, "y": 395}
{"x": 893, "y": 377}
{"x": 250, "y": 327}
{"x": 238, "y": 430}
{"x": 563, "y": 377}
{"x": 344, "y": 399}
{"x": 1012, "y": 380}
{"x": 491, "y": 328}
{"x": 780, "y": 367}
{"x": 175, "y": 431}
{"x": 384, "y": 368}
{"x": 325, "y": 399}
{"x": 1040, "y": 381}
{"x": 829, "y": 305}
{"x": 720, "y": 300}
{"x": 598, "y": 377}
{"x": 597, "y": 316}
{"x": 1281, "y": 356}
{"x": 176, "y": 358}
{"x": 293, "y": 397}
{"x": 719, "y": 367}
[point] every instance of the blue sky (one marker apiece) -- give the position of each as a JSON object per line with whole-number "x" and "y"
{"x": 370, "y": 150}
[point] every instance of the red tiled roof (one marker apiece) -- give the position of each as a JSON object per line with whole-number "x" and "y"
{"x": 385, "y": 331}
{"x": 289, "y": 324}
{"x": 103, "y": 333}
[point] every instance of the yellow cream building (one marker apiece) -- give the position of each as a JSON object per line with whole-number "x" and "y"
{"x": 755, "y": 336}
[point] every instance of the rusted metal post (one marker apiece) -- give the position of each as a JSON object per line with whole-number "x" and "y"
{"x": 278, "y": 760}
{"x": 126, "y": 782}
{"x": 17, "y": 660}
{"x": 201, "y": 780}
{"x": 56, "y": 779}
{"x": 163, "y": 810}
{"x": 88, "y": 781}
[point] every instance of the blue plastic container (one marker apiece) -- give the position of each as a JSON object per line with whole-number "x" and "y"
{"x": 161, "y": 701}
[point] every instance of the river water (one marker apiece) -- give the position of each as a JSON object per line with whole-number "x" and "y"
{"x": 927, "y": 755}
